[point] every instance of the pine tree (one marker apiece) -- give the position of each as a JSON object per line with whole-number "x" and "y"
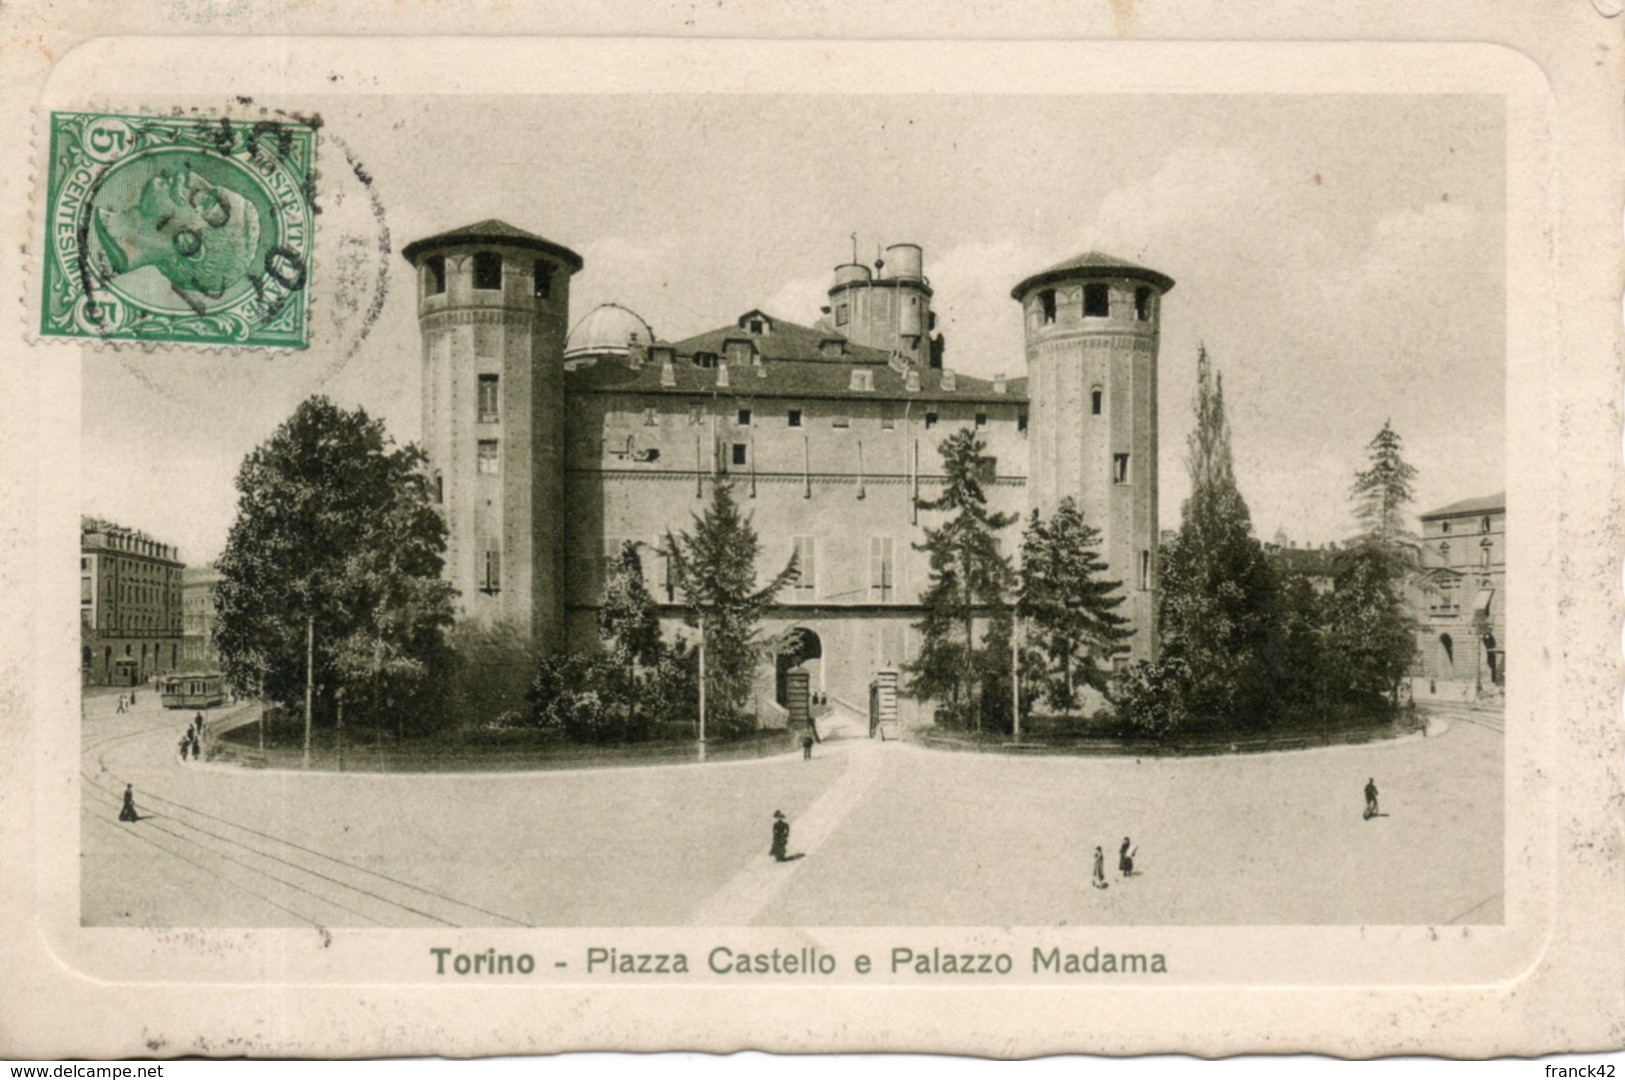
{"x": 1067, "y": 605}
{"x": 968, "y": 577}
{"x": 714, "y": 566}
{"x": 1218, "y": 592}
{"x": 1381, "y": 494}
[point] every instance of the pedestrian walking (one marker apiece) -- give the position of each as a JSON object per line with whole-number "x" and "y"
{"x": 197, "y": 747}
{"x": 1100, "y": 869}
{"x": 121, "y": 707}
{"x": 197, "y": 722}
{"x": 781, "y": 837}
{"x": 1125, "y": 859}
{"x": 1371, "y": 798}
{"x": 806, "y": 747}
{"x": 128, "y": 812}
{"x": 180, "y": 748}
{"x": 132, "y": 698}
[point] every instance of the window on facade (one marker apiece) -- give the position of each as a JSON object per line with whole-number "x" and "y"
{"x": 1097, "y": 301}
{"x": 744, "y": 418}
{"x": 488, "y": 399}
{"x": 795, "y": 417}
{"x": 434, "y": 282}
{"x": 487, "y": 270}
{"x": 439, "y": 488}
{"x": 668, "y": 580}
{"x": 1444, "y": 526}
{"x": 491, "y": 573}
{"x": 1119, "y": 468}
{"x": 1444, "y": 553}
{"x": 487, "y": 460}
{"x": 806, "y": 587}
{"x": 1145, "y": 569}
{"x": 1095, "y": 398}
{"x": 888, "y": 418}
{"x": 1021, "y": 422}
{"x": 739, "y": 453}
{"x": 706, "y": 359}
{"x": 1142, "y": 304}
{"x": 541, "y": 277}
{"x": 1484, "y": 557}
{"x": 756, "y": 326}
{"x": 1484, "y": 524}
{"x": 840, "y": 314}
{"x": 882, "y": 569}
{"x": 981, "y": 419}
{"x": 1046, "y": 302}
{"x": 930, "y": 420}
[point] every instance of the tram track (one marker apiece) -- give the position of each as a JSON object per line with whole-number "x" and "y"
{"x": 279, "y": 867}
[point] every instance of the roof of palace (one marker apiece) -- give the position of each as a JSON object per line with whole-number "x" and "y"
{"x": 1480, "y": 505}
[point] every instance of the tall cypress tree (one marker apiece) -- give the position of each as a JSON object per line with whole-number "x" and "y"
{"x": 1381, "y": 493}
{"x": 1218, "y": 592}
{"x": 969, "y": 577}
{"x": 1068, "y": 605}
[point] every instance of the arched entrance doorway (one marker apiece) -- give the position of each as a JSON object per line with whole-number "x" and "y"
{"x": 801, "y": 645}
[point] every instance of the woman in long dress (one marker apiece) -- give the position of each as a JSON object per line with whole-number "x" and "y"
{"x": 1100, "y": 869}
{"x": 781, "y": 837}
{"x": 128, "y": 813}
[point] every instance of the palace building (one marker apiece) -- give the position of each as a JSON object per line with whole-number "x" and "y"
{"x": 552, "y": 441}
{"x": 129, "y": 605}
{"x": 1460, "y": 597}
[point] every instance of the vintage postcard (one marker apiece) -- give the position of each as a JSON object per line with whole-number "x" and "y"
{"x": 994, "y": 548}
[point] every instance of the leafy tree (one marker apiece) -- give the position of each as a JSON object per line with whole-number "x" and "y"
{"x": 630, "y": 627}
{"x": 1068, "y": 606}
{"x": 1151, "y": 699}
{"x": 335, "y": 532}
{"x": 968, "y": 577}
{"x": 1371, "y": 637}
{"x": 714, "y": 567}
{"x": 1218, "y": 591}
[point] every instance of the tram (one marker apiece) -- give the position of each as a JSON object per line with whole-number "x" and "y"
{"x": 194, "y": 690}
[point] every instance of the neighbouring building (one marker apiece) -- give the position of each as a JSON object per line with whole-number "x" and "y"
{"x": 551, "y": 444}
{"x": 129, "y": 605}
{"x": 1460, "y": 595}
{"x": 198, "y": 651}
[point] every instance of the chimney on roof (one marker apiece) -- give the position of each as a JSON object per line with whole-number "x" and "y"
{"x": 862, "y": 379}
{"x": 998, "y": 383}
{"x": 949, "y": 383}
{"x": 635, "y": 351}
{"x": 668, "y": 373}
{"x": 911, "y": 381}
{"x": 722, "y": 371}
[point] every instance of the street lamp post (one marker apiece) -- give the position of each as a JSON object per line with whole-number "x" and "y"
{"x": 702, "y": 689}
{"x": 310, "y": 679}
{"x": 1015, "y": 676}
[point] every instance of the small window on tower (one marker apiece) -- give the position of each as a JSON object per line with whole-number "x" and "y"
{"x": 488, "y": 399}
{"x": 1484, "y": 524}
{"x": 487, "y": 460}
{"x": 491, "y": 573}
{"x": 1021, "y": 422}
{"x": 744, "y": 418}
{"x": 439, "y": 488}
{"x": 1119, "y": 468}
{"x": 795, "y": 417}
{"x": 487, "y": 270}
{"x": 756, "y": 326}
{"x": 1095, "y": 396}
{"x": 981, "y": 419}
{"x": 739, "y": 453}
{"x": 542, "y": 279}
{"x": 1097, "y": 301}
{"x": 840, "y": 314}
{"x": 1046, "y": 300}
{"x": 1142, "y": 304}
{"x": 1145, "y": 569}
{"x": 434, "y": 282}
{"x": 930, "y": 420}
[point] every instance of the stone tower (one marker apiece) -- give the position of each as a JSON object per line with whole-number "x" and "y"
{"x": 1091, "y": 331}
{"x": 887, "y": 308}
{"x": 493, "y": 305}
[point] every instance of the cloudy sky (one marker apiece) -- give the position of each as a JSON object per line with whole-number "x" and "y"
{"x": 1341, "y": 257}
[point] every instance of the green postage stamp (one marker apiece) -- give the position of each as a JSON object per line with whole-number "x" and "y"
{"x": 179, "y": 229}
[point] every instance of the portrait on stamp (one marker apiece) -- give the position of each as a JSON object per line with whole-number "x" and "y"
{"x": 178, "y": 229}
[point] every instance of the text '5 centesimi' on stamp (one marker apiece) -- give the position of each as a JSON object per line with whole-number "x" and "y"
{"x": 178, "y": 229}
